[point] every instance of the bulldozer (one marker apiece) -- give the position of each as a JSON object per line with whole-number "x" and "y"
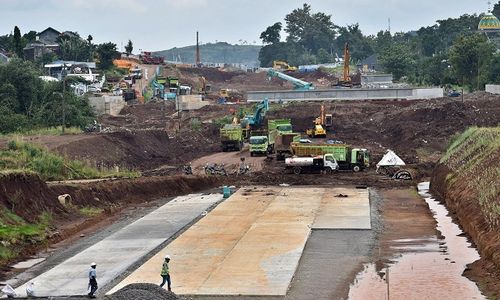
{"x": 321, "y": 123}
{"x": 280, "y": 65}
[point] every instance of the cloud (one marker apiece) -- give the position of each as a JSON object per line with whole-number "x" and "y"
{"x": 185, "y": 4}
{"x": 113, "y": 6}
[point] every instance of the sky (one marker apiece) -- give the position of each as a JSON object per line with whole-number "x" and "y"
{"x": 154, "y": 25}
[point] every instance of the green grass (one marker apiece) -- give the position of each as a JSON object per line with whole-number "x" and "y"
{"x": 473, "y": 157}
{"x": 45, "y": 131}
{"x": 50, "y": 166}
{"x": 90, "y": 211}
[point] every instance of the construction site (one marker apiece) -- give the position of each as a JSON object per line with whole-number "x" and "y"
{"x": 321, "y": 199}
{"x": 268, "y": 183}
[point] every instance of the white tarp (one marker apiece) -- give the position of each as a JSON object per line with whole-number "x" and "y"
{"x": 390, "y": 159}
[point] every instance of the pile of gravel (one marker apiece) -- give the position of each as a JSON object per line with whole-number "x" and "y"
{"x": 143, "y": 291}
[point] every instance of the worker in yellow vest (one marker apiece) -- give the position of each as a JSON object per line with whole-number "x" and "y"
{"x": 165, "y": 273}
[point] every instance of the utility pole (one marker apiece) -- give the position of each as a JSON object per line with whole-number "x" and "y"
{"x": 198, "y": 59}
{"x": 63, "y": 74}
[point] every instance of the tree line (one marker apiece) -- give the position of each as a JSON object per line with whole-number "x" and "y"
{"x": 451, "y": 52}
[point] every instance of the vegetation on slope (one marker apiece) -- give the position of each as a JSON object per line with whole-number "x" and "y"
{"x": 49, "y": 166}
{"x": 474, "y": 157}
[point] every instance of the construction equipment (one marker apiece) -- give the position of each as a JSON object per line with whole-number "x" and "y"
{"x": 254, "y": 120}
{"x": 348, "y": 158}
{"x": 280, "y": 65}
{"x": 347, "y": 80}
{"x": 204, "y": 86}
{"x": 282, "y": 142}
{"x": 325, "y": 163}
{"x": 275, "y": 130}
{"x": 148, "y": 58}
{"x": 231, "y": 136}
{"x": 298, "y": 84}
{"x": 259, "y": 144}
{"x": 320, "y": 123}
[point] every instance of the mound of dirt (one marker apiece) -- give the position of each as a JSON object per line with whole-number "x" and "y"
{"x": 28, "y": 196}
{"x": 143, "y": 291}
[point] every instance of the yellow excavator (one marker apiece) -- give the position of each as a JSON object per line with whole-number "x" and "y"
{"x": 320, "y": 123}
{"x": 280, "y": 65}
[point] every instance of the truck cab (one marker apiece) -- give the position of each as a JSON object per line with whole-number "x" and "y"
{"x": 360, "y": 159}
{"x": 258, "y": 144}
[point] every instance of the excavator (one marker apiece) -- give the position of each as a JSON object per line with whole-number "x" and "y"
{"x": 280, "y": 65}
{"x": 347, "y": 80}
{"x": 298, "y": 84}
{"x": 320, "y": 124}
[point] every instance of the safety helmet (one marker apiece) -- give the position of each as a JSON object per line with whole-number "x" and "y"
{"x": 93, "y": 264}
{"x": 167, "y": 256}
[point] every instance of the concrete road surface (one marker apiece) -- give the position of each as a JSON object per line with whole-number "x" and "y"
{"x": 252, "y": 243}
{"x": 120, "y": 250}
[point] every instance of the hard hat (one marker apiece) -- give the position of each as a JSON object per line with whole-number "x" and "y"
{"x": 93, "y": 264}
{"x": 167, "y": 256}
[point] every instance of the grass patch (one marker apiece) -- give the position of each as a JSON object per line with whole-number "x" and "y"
{"x": 50, "y": 166}
{"x": 473, "y": 158}
{"x": 45, "y": 131}
{"x": 90, "y": 211}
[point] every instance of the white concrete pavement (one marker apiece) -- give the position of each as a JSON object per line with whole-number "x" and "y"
{"x": 120, "y": 250}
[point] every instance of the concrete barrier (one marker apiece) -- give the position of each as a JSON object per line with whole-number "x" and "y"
{"x": 493, "y": 88}
{"x": 107, "y": 104}
{"x": 346, "y": 94}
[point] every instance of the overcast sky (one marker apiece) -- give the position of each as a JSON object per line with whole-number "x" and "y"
{"x": 162, "y": 24}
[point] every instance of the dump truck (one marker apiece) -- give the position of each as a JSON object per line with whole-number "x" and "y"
{"x": 348, "y": 158}
{"x": 259, "y": 144}
{"x": 324, "y": 163}
{"x": 231, "y": 136}
{"x": 281, "y": 136}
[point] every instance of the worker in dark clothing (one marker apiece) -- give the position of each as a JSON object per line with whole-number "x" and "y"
{"x": 92, "y": 280}
{"x": 165, "y": 273}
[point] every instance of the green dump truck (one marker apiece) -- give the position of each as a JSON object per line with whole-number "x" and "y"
{"x": 348, "y": 158}
{"x": 231, "y": 137}
{"x": 281, "y": 135}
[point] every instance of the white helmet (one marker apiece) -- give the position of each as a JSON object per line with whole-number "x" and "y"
{"x": 167, "y": 256}
{"x": 93, "y": 264}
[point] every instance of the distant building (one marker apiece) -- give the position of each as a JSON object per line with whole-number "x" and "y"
{"x": 370, "y": 64}
{"x": 490, "y": 26}
{"x": 48, "y": 36}
{"x": 3, "y": 58}
{"x": 85, "y": 70}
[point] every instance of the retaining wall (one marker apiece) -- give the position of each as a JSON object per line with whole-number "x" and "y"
{"x": 111, "y": 105}
{"x": 346, "y": 94}
{"x": 493, "y": 88}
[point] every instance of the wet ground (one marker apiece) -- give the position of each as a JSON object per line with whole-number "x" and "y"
{"x": 425, "y": 267}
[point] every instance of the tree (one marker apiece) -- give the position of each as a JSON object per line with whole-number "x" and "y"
{"x": 18, "y": 47}
{"x": 323, "y": 56}
{"x": 397, "y": 59}
{"x": 311, "y": 30}
{"x": 360, "y": 47}
{"x": 272, "y": 34}
{"x": 496, "y": 9}
{"x": 129, "y": 47}
{"x": 470, "y": 57}
{"x": 74, "y": 48}
{"x": 106, "y": 53}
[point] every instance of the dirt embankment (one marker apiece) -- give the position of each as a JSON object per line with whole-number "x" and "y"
{"x": 466, "y": 179}
{"x": 28, "y": 196}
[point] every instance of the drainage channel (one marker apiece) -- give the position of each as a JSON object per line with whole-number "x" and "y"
{"x": 426, "y": 268}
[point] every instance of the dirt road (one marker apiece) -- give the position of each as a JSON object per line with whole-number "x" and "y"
{"x": 231, "y": 161}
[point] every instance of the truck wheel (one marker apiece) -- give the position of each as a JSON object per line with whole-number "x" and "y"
{"x": 328, "y": 171}
{"x": 356, "y": 168}
{"x": 297, "y": 170}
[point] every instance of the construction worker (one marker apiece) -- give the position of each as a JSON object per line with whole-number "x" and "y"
{"x": 165, "y": 273}
{"x": 92, "y": 280}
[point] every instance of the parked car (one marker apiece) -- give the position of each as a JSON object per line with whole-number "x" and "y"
{"x": 454, "y": 93}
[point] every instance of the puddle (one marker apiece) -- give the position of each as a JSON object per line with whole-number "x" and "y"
{"x": 431, "y": 268}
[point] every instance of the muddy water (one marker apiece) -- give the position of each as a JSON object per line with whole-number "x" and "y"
{"x": 424, "y": 268}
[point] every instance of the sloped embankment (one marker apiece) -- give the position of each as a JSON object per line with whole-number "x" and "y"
{"x": 32, "y": 217}
{"x": 467, "y": 180}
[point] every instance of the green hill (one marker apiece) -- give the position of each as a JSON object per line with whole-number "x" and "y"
{"x": 214, "y": 53}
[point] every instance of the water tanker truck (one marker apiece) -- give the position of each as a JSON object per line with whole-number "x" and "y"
{"x": 326, "y": 163}
{"x": 348, "y": 158}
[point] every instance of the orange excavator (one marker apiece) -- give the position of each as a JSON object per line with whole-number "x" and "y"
{"x": 346, "y": 79}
